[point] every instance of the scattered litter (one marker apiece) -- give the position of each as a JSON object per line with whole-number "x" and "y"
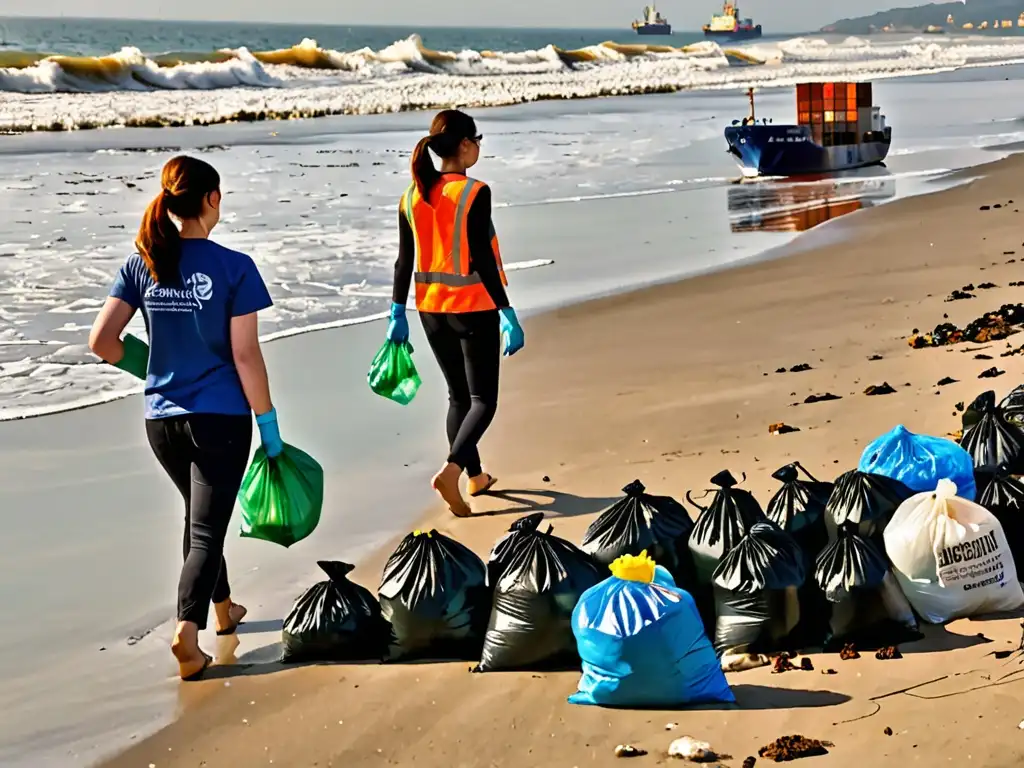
{"x": 799, "y": 368}
{"x": 829, "y": 672}
{"x": 849, "y": 652}
{"x": 982, "y": 357}
{"x": 689, "y": 748}
{"x": 545, "y": 479}
{"x": 781, "y": 428}
{"x": 628, "y": 750}
{"x": 782, "y": 664}
{"x": 888, "y": 653}
{"x": 985, "y": 208}
{"x": 780, "y": 370}
{"x": 671, "y": 726}
{"x": 879, "y": 389}
{"x": 793, "y": 747}
{"x": 1021, "y": 725}
{"x": 946, "y": 380}
{"x": 959, "y": 296}
{"x": 887, "y": 731}
{"x": 990, "y": 373}
{"x": 987, "y": 286}
{"x": 806, "y": 665}
{"x": 821, "y": 398}
{"x": 876, "y": 357}
{"x": 749, "y": 762}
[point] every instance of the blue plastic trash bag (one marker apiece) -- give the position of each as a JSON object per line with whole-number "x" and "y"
{"x": 642, "y": 642}
{"x": 920, "y": 461}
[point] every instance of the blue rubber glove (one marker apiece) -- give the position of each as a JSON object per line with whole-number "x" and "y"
{"x": 398, "y": 328}
{"x": 512, "y": 336}
{"x": 270, "y": 435}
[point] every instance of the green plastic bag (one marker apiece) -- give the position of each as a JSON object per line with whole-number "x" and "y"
{"x": 393, "y": 374}
{"x": 281, "y": 498}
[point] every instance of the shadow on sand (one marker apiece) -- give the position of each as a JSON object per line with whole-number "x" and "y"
{"x": 554, "y": 503}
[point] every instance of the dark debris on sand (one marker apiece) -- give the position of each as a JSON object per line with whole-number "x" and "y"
{"x": 849, "y": 652}
{"x": 821, "y": 398}
{"x": 990, "y": 373}
{"x": 946, "y": 380}
{"x": 782, "y": 664}
{"x": 959, "y": 296}
{"x": 749, "y": 762}
{"x": 991, "y": 326}
{"x": 879, "y": 389}
{"x": 887, "y": 731}
{"x": 788, "y": 748}
{"x": 888, "y": 653}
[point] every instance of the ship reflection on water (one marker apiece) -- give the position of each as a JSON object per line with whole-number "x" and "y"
{"x": 796, "y": 206}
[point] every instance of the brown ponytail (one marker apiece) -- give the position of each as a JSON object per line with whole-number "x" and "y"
{"x": 424, "y": 174}
{"x": 186, "y": 184}
{"x": 447, "y": 132}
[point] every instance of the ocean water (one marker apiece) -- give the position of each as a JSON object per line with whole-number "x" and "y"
{"x": 314, "y": 200}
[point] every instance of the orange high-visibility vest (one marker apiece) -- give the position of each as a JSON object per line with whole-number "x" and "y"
{"x": 444, "y": 282}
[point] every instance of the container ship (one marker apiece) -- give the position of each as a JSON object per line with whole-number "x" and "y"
{"x": 838, "y": 128}
{"x": 729, "y": 26}
{"x": 653, "y": 23}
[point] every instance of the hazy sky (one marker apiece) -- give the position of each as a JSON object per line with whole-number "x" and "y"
{"x": 782, "y": 15}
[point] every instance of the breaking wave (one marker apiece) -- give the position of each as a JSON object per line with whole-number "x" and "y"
{"x": 309, "y": 81}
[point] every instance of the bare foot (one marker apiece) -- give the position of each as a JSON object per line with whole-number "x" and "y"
{"x": 481, "y": 484}
{"x": 446, "y": 483}
{"x": 229, "y": 616}
{"x": 192, "y": 662}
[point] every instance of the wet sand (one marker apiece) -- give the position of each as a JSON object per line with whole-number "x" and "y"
{"x": 670, "y": 385}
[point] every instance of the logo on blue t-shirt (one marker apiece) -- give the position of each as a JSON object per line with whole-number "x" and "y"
{"x": 198, "y": 288}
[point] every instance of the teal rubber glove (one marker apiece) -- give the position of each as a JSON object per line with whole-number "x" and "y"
{"x": 136, "y": 357}
{"x": 398, "y": 328}
{"x": 512, "y": 336}
{"x": 270, "y": 434}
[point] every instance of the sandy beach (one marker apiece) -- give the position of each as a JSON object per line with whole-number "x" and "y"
{"x": 670, "y": 385}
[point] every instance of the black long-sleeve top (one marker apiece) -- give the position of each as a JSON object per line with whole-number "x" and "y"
{"x": 481, "y": 254}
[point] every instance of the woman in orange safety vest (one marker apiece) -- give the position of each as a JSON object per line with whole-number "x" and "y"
{"x": 447, "y": 242}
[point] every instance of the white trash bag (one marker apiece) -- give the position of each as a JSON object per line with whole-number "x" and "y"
{"x": 951, "y": 557}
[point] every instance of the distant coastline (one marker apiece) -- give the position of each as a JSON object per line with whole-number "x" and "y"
{"x": 997, "y": 17}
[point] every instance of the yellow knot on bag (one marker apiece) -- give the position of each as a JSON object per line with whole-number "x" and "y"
{"x": 634, "y": 568}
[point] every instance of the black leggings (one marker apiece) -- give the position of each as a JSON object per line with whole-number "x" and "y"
{"x": 206, "y": 456}
{"x": 468, "y": 349}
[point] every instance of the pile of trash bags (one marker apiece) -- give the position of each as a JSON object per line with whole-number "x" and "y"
{"x": 655, "y": 596}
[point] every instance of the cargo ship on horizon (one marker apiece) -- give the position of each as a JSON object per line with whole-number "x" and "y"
{"x": 653, "y": 23}
{"x": 729, "y": 26}
{"x": 838, "y": 128}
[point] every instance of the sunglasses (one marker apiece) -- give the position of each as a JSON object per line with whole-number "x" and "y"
{"x": 477, "y": 139}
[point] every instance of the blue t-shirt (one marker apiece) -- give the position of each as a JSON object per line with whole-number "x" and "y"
{"x": 191, "y": 368}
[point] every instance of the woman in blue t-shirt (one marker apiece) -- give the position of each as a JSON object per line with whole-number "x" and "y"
{"x": 204, "y": 376}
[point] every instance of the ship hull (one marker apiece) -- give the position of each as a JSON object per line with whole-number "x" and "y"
{"x": 654, "y": 29}
{"x": 789, "y": 150}
{"x": 751, "y": 33}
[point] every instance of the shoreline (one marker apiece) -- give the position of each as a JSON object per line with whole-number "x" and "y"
{"x": 674, "y": 418}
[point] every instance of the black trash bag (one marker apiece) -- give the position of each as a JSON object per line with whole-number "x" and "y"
{"x": 1003, "y": 495}
{"x": 1012, "y": 407}
{"x": 868, "y": 607}
{"x": 538, "y": 579}
{"x": 799, "y": 508}
{"x": 756, "y": 592}
{"x": 334, "y": 620}
{"x": 722, "y": 524}
{"x": 642, "y": 521}
{"x": 865, "y": 501}
{"x": 435, "y": 596}
{"x": 991, "y": 440}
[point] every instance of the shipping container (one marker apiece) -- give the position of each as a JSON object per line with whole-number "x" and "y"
{"x": 864, "y": 95}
